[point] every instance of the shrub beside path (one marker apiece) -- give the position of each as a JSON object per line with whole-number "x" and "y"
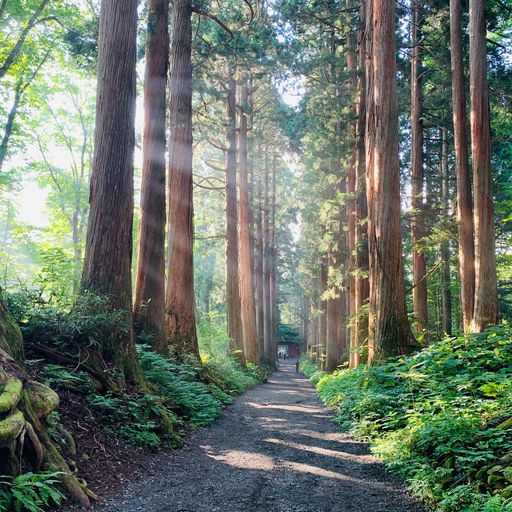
{"x": 274, "y": 450}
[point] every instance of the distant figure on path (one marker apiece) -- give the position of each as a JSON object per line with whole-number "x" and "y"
{"x": 297, "y": 366}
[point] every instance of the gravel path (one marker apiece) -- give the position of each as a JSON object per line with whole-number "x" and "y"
{"x": 274, "y": 450}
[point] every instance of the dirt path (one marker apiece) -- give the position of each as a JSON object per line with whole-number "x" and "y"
{"x": 274, "y": 450}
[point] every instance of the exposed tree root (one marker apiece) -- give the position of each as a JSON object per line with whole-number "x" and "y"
{"x": 24, "y": 406}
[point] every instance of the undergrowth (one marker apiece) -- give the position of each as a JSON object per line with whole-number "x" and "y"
{"x": 29, "y": 492}
{"x": 442, "y": 418}
{"x": 182, "y": 392}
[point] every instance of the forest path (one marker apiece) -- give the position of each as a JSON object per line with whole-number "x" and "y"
{"x": 274, "y": 450}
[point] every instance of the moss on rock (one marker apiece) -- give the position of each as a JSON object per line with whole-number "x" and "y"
{"x": 10, "y": 395}
{"x": 11, "y": 427}
{"x": 42, "y": 398}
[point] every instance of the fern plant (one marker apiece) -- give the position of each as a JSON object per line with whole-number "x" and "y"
{"x": 29, "y": 492}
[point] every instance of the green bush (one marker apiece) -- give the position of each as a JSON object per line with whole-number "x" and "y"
{"x": 181, "y": 384}
{"x": 29, "y": 492}
{"x": 137, "y": 418}
{"x": 46, "y": 322}
{"x": 442, "y": 418}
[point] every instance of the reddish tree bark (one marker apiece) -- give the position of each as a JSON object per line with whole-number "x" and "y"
{"x": 258, "y": 270}
{"x": 149, "y": 309}
{"x": 248, "y": 313}
{"x": 389, "y": 330}
{"x": 419, "y": 267}
{"x": 267, "y": 273}
{"x": 362, "y": 288}
{"x": 351, "y": 213}
{"x": 322, "y": 307}
{"x": 273, "y": 264}
{"x": 445, "y": 246}
{"x": 234, "y": 318}
{"x": 486, "y": 288}
{"x": 462, "y": 170}
{"x": 180, "y": 320}
{"x": 108, "y": 255}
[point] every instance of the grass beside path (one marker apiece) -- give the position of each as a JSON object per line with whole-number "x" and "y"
{"x": 441, "y": 418}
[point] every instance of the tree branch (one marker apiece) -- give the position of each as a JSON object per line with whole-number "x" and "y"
{"x": 213, "y": 17}
{"x": 22, "y": 38}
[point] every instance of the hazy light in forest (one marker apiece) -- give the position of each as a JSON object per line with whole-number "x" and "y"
{"x": 31, "y": 200}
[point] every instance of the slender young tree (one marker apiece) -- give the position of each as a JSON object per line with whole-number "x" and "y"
{"x": 273, "y": 264}
{"x": 486, "y": 288}
{"x": 248, "y": 312}
{"x": 258, "y": 268}
{"x": 445, "y": 246}
{"x": 267, "y": 271}
{"x": 234, "y": 318}
{"x": 462, "y": 170}
{"x": 149, "y": 309}
{"x": 322, "y": 307}
{"x": 180, "y": 322}
{"x": 419, "y": 267}
{"x": 108, "y": 254}
{"x": 390, "y": 332}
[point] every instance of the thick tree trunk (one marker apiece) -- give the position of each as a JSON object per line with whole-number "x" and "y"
{"x": 234, "y": 319}
{"x": 462, "y": 170}
{"x": 362, "y": 288}
{"x": 149, "y": 312}
{"x": 486, "y": 288}
{"x": 180, "y": 322}
{"x": 445, "y": 246}
{"x": 419, "y": 267}
{"x": 248, "y": 312}
{"x": 108, "y": 256}
{"x": 389, "y": 330}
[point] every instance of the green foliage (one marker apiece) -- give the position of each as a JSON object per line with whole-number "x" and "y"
{"x": 137, "y": 418}
{"x": 180, "y": 383}
{"x": 45, "y": 320}
{"x": 29, "y": 492}
{"x": 441, "y": 418}
{"x": 225, "y": 371}
{"x": 288, "y": 333}
{"x": 309, "y": 368}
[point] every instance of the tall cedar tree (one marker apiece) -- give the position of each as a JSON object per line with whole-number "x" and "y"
{"x": 445, "y": 245}
{"x": 390, "y": 332}
{"x": 234, "y": 318}
{"x": 150, "y": 288}
{"x": 258, "y": 265}
{"x": 108, "y": 254}
{"x": 361, "y": 237}
{"x": 180, "y": 323}
{"x": 462, "y": 170}
{"x": 248, "y": 312}
{"x": 486, "y": 289}
{"x": 273, "y": 265}
{"x": 419, "y": 268}
{"x": 351, "y": 213}
{"x": 267, "y": 270}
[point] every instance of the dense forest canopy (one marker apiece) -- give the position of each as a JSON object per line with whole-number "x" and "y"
{"x": 197, "y": 181}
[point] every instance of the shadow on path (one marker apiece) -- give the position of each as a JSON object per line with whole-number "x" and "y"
{"x": 274, "y": 450}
